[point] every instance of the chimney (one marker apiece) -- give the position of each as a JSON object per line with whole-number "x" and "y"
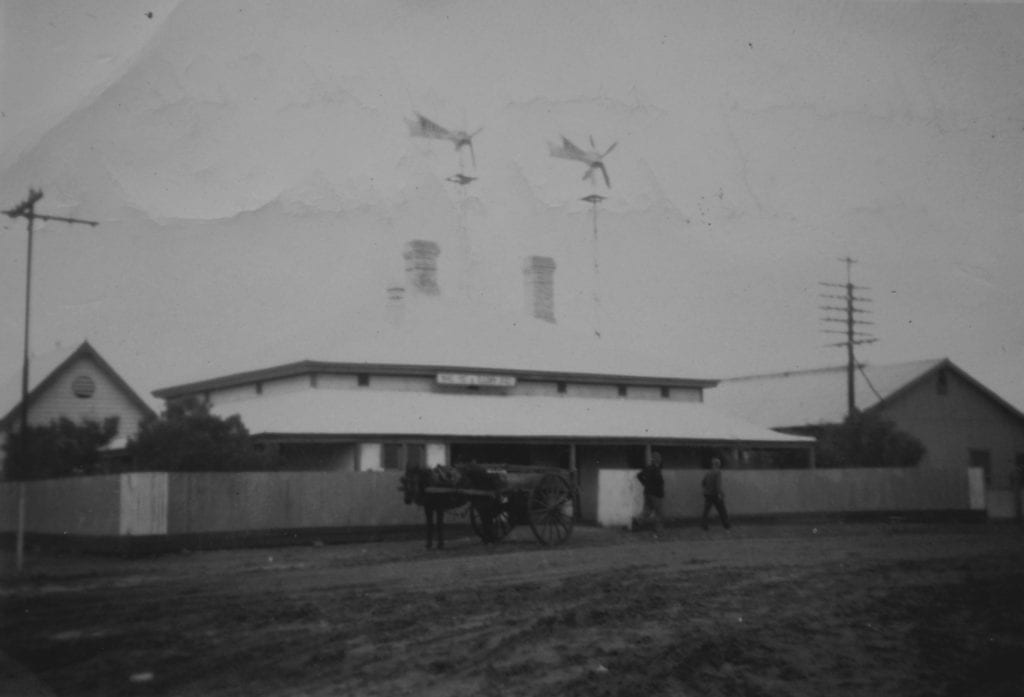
{"x": 539, "y": 283}
{"x": 421, "y": 266}
{"x": 396, "y": 304}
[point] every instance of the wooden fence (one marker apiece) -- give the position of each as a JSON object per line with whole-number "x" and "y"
{"x": 156, "y": 505}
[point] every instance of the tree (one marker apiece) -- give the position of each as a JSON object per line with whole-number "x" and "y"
{"x": 867, "y": 440}
{"x": 61, "y": 448}
{"x": 187, "y": 437}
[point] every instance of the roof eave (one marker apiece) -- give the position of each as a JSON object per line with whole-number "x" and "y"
{"x": 307, "y": 366}
{"x": 286, "y": 437}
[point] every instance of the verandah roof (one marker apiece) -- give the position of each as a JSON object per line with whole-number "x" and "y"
{"x": 361, "y": 413}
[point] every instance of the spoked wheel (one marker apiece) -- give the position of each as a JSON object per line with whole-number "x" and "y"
{"x": 491, "y": 521}
{"x": 550, "y": 510}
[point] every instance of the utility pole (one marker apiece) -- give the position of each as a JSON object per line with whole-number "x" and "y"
{"x": 848, "y": 313}
{"x": 27, "y": 209}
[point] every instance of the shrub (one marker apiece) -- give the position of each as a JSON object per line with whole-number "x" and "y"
{"x": 867, "y": 440}
{"x": 60, "y": 449}
{"x": 188, "y": 438}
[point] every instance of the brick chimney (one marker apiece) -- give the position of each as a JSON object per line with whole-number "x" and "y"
{"x": 539, "y": 284}
{"x": 396, "y": 304}
{"x": 421, "y": 266}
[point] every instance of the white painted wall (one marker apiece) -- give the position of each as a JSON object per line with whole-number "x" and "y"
{"x": 437, "y": 454}
{"x": 619, "y": 497}
{"x": 976, "y": 487}
{"x": 143, "y": 503}
{"x": 370, "y": 459}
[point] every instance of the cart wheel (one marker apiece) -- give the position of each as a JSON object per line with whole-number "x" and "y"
{"x": 550, "y": 510}
{"x": 491, "y": 522}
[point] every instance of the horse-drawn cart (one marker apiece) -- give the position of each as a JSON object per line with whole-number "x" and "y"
{"x": 500, "y": 497}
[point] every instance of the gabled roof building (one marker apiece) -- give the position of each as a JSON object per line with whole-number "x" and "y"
{"x": 962, "y": 423}
{"x": 432, "y": 381}
{"x": 78, "y": 385}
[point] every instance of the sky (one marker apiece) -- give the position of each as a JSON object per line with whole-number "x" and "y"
{"x": 253, "y": 175}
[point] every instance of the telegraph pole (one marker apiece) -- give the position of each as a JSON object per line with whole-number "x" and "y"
{"x": 848, "y": 313}
{"x": 27, "y": 209}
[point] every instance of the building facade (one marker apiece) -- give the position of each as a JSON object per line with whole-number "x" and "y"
{"x": 431, "y": 380}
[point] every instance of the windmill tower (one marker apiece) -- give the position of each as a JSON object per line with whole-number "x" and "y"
{"x": 594, "y": 160}
{"x": 422, "y": 127}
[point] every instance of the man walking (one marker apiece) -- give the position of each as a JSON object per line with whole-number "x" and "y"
{"x": 713, "y": 494}
{"x": 654, "y": 494}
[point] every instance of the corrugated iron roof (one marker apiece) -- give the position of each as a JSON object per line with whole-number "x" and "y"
{"x": 442, "y": 332}
{"x": 812, "y": 397}
{"x": 45, "y": 366}
{"x": 359, "y": 412}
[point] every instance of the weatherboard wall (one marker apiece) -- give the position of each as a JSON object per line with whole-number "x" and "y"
{"x": 952, "y": 423}
{"x": 59, "y": 399}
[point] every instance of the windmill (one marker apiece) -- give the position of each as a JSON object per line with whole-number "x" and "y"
{"x": 422, "y": 127}
{"x": 594, "y": 160}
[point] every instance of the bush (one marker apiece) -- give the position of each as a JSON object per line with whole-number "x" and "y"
{"x": 867, "y": 440}
{"x": 60, "y": 449}
{"x": 188, "y": 438}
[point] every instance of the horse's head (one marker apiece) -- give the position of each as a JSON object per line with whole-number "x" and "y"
{"x": 412, "y": 484}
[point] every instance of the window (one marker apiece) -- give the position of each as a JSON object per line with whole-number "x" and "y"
{"x": 562, "y": 387}
{"x": 403, "y": 456}
{"x": 363, "y": 379}
{"x": 665, "y": 393}
{"x": 942, "y": 382}
{"x": 622, "y": 390}
{"x": 83, "y": 387}
{"x": 982, "y": 459}
{"x": 312, "y": 379}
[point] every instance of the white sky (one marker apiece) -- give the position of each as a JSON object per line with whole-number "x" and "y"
{"x": 253, "y": 174}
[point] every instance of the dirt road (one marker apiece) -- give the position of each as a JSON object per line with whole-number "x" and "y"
{"x": 770, "y": 610}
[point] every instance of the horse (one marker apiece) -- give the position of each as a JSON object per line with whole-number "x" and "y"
{"x": 414, "y": 484}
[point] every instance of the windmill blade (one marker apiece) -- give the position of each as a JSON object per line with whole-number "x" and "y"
{"x": 472, "y": 153}
{"x": 609, "y": 150}
{"x": 568, "y": 151}
{"x": 425, "y": 128}
{"x": 607, "y": 181}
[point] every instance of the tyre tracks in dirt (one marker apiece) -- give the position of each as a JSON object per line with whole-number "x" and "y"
{"x": 513, "y": 619}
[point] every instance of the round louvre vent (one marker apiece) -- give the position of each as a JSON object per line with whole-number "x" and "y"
{"x": 83, "y": 386}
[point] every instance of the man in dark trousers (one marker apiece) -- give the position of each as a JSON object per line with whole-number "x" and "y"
{"x": 713, "y": 495}
{"x": 654, "y": 494}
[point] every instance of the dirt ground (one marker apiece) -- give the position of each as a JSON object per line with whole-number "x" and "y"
{"x": 865, "y": 609}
